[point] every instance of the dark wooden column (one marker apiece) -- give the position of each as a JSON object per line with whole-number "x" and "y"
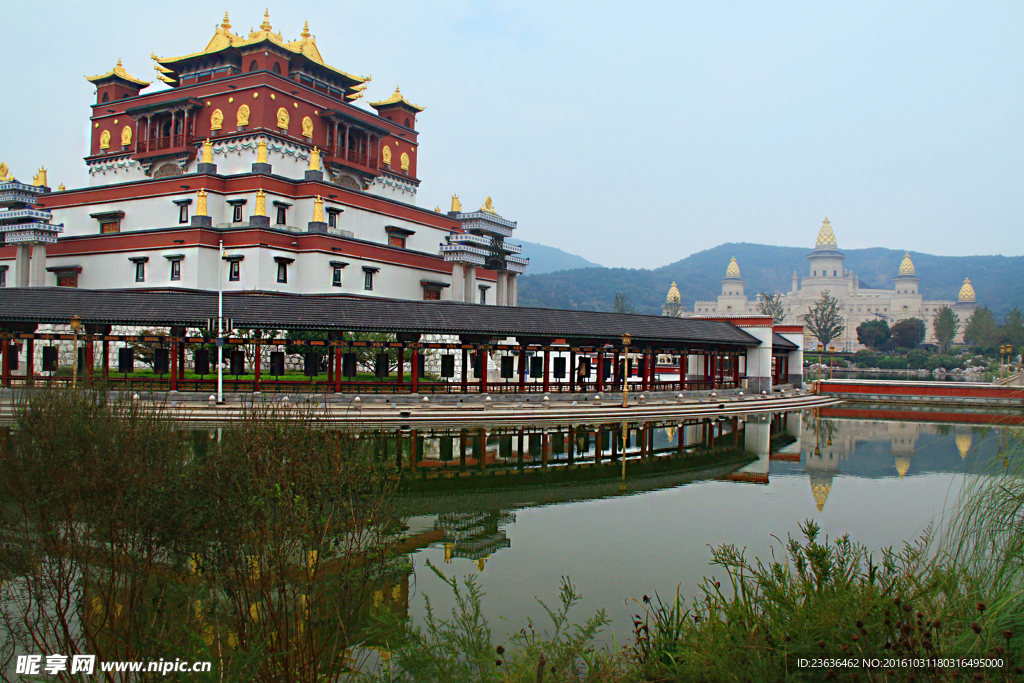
{"x": 105, "y": 364}
{"x": 683, "y": 362}
{"x": 173, "y": 364}
{"x": 616, "y": 375}
{"x": 401, "y": 367}
{"x": 547, "y": 380}
{"x": 5, "y": 359}
{"x": 483, "y": 369}
{"x": 572, "y": 371}
{"x": 337, "y": 365}
{"x": 465, "y": 369}
{"x": 30, "y": 361}
{"x": 258, "y": 365}
{"x": 735, "y": 371}
{"x": 600, "y": 371}
{"x": 522, "y": 368}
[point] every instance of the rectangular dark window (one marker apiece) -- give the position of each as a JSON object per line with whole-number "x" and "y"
{"x": 110, "y": 226}
{"x": 282, "y": 215}
{"x": 282, "y": 272}
{"x": 332, "y": 220}
{"x": 483, "y": 295}
{"x": 234, "y": 272}
{"x": 432, "y": 294}
{"x": 140, "y": 271}
{"x": 175, "y": 270}
{"x": 236, "y": 214}
{"x": 3, "y": 278}
{"x": 397, "y": 241}
{"x": 368, "y": 280}
{"x": 336, "y": 277}
{"x": 67, "y": 279}
{"x": 183, "y": 213}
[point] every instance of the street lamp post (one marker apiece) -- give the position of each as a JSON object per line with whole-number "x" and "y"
{"x": 220, "y": 326}
{"x": 831, "y": 350}
{"x": 626, "y": 339}
{"x": 76, "y": 325}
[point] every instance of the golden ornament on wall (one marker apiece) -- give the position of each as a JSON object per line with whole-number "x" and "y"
{"x": 230, "y": 100}
{"x": 216, "y": 119}
{"x": 255, "y": 95}
{"x": 386, "y": 155}
{"x": 126, "y": 136}
{"x": 273, "y": 96}
{"x": 243, "y": 115}
{"x": 283, "y": 118}
{"x": 307, "y": 127}
{"x": 405, "y": 161}
{"x": 105, "y": 140}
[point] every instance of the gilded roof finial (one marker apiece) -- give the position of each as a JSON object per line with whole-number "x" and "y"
{"x": 488, "y": 206}
{"x": 967, "y": 291}
{"x": 456, "y": 204}
{"x": 261, "y": 203}
{"x": 61, "y": 187}
{"x": 305, "y": 30}
{"x": 733, "y": 270}
{"x": 318, "y": 210}
{"x": 207, "y": 151}
{"x": 40, "y": 178}
{"x": 201, "y": 205}
{"x": 261, "y": 151}
{"x": 906, "y": 266}
{"x": 265, "y": 26}
{"x": 119, "y": 63}
{"x": 314, "y": 159}
{"x": 226, "y": 24}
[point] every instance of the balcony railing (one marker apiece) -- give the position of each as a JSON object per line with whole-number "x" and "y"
{"x": 357, "y": 158}
{"x": 158, "y": 144}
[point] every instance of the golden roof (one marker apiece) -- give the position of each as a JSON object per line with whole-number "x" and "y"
{"x": 673, "y": 295}
{"x": 967, "y": 291}
{"x": 734, "y": 268}
{"x": 826, "y": 238}
{"x": 117, "y": 72}
{"x": 396, "y": 98}
{"x": 223, "y": 39}
{"x": 906, "y": 266}
{"x": 902, "y": 465}
{"x": 963, "y": 443}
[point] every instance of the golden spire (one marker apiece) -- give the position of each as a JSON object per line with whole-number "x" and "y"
{"x": 456, "y": 204}
{"x": 314, "y": 159}
{"x": 40, "y": 178}
{"x": 734, "y": 268}
{"x": 226, "y": 24}
{"x": 826, "y": 238}
{"x": 673, "y": 295}
{"x": 261, "y": 203}
{"x": 61, "y": 187}
{"x": 201, "y": 208}
{"x": 906, "y": 266}
{"x": 207, "y": 151}
{"x": 318, "y": 210}
{"x": 437, "y": 209}
{"x": 265, "y": 26}
{"x": 305, "y": 31}
{"x": 261, "y": 151}
{"x": 967, "y": 291}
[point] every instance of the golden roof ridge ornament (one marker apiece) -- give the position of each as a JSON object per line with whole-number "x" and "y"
{"x": 674, "y": 297}
{"x": 305, "y": 31}
{"x": 456, "y": 204}
{"x": 826, "y": 236}
{"x": 734, "y": 268}
{"x": 967, "y": 291}
{"x": 39, "y": 180}
{"x": 906, "y": 265}
{"x": 488, "y": 206}
{"x": 226, "y": 24}
{"x": 265, "y": 26}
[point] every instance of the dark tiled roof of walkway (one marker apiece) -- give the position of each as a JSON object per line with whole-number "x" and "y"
{"x": 780, "y": 343}
{"x": 354, "y": 314}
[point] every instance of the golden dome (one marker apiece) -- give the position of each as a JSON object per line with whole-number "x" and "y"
{"x": 673, "y": 295}
{"x": 963, "y": 443}
{"x": 967, "y": 291}
{"x": 826, "y": 238}
{"x": 820, "y": 488}
{"x": 902, "y": 465}
{"x": 906, "y": 266}
{"x": 734, "y": 268}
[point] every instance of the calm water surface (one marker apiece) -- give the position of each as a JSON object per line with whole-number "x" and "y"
{"x": 542, "y": 506}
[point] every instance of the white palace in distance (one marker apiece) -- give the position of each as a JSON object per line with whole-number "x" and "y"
{"x": 859, "y": 304}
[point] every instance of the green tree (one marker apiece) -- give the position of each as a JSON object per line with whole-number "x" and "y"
{"x": 906, "y": 334}
{"x": 873, "y": 333}
{"x": 825, "y": 319}
{"x": 945, "y": 326}
{"x": 866, "y": 358}
{"x": 771, "y": 305}
{"x": 1013, "y": 329}
{"x": 982, "y": 331}
{"x": 622, "y": 304}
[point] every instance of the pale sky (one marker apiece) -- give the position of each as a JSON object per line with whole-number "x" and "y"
{"x": 632, "y": 134}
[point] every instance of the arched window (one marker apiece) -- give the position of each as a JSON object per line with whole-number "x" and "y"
{"x": 106, "y": 96}
{"x": 253, "y": 66}
{"x": 407, "y": 123}
{"x": 276, "y": 68}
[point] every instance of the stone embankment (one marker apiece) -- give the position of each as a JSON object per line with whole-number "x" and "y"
{"x": 966, "y": 395}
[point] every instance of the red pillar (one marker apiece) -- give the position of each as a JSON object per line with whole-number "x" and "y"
{"x": 547, "y": 360}
{"x": 330, "y": 365}
{"x": 646, "y": 371}
{"x": 173, "y": 363}
{"x": 714, "y": 369}
{"x": 257, "y": 366}
{"x": 5, "y": 359}
{"x": 401, "y": 366}
{"x": 572, "y": 371}
{"x": 683, "y": 358}
{"x": 415, "y": 372}
{"x": 181, "y": 361}
{"x": 522, "y": 368}
{"x": 30, "y": 361}
{"x": 600, "y": 371}
{"x": 483, "y": 370}
{"x": 735, "y": 371}
{"x": 616, "y": 375}
{"x": 337, "y": 368}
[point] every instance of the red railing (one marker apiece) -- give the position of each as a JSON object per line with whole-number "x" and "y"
{"x": 157, "y": 144}
{"x": 357, "y": 158}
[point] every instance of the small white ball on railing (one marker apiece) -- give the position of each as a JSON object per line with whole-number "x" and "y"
{"x": 714, "y": 394}
{"x": 426, "y": 399}
{"x": 741, "y": 393}
{"x": 284, "y": 399}
{"x": 135, "y": 397}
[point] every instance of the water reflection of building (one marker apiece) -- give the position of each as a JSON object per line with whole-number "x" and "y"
{"x": 474, "y": 535}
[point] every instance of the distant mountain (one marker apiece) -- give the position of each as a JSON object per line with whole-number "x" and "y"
{"x": 551, "y": 259}
{"x": 997, "y": 280}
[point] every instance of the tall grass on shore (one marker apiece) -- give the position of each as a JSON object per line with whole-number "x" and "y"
{"x": 126, "y": 537}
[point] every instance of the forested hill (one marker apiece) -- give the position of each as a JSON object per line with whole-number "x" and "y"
{"x": 549, "y": 259}
{"x": 998, "y": 280}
